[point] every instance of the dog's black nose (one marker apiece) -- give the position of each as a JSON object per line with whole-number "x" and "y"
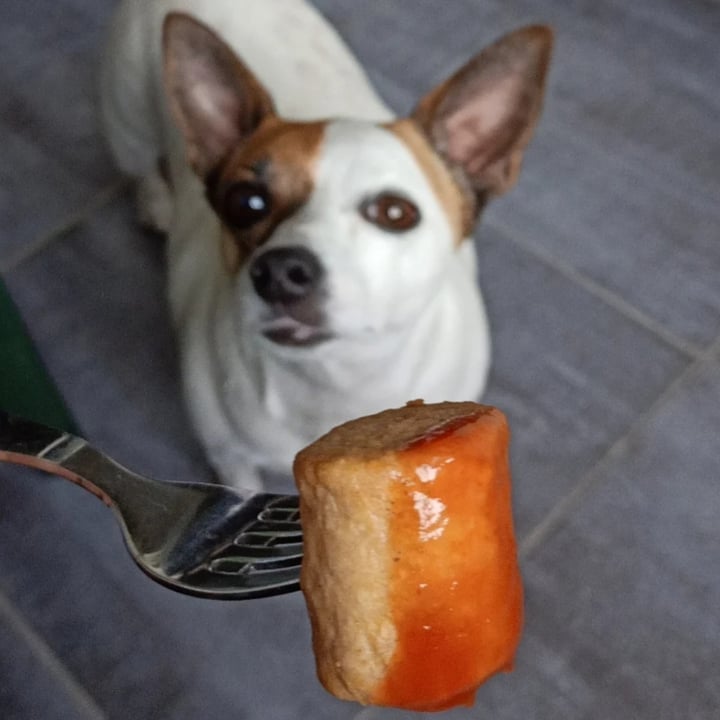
{"x": 286, "y": 275}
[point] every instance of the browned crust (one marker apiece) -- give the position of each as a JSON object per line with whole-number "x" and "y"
{"x": 387, "y": 431}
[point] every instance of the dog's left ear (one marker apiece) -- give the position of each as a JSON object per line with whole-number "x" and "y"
{"x": 215, "y": 99}
{"x": 482, "y": 118}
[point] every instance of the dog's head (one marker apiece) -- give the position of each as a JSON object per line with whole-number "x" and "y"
{"x": 345, "y": 227}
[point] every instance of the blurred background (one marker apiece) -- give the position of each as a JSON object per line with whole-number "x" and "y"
{"x": 602, "y": 277}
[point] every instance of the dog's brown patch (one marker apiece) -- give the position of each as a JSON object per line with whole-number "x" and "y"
{"x": 457, "y": 201}
{"x": 280, "y": 157}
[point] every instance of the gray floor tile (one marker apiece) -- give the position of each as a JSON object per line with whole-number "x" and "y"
{"x": 95, "y": 304}
{"x": 406, "y": 52}
{"x": 641, "y": 81}
{"x": 32, "y": 688}
{"x": 622, "y": 181}
{"x": 53, "y": 158}
{"x": 87, "y": 618}
{"x": 625, "y": 229}
{"x": 571, "y": 373}
{"x": 622, "y": 601}
{"x": 36, "y": 194}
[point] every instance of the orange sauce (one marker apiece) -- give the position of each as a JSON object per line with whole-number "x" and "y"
{"x": 455, "y": 589}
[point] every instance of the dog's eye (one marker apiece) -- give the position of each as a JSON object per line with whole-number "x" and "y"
{"x": 391, "y": 212}
{"x": 246, "y": 203}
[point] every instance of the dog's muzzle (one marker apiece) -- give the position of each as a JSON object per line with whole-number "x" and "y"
{"x": 290, "y": 280}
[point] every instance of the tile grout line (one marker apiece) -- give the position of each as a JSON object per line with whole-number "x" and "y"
{"x": 51, "y": 661}
{"x": 66, "y": 225}
{"x": 561, "y": 510}
{"x": 604, "y": 294}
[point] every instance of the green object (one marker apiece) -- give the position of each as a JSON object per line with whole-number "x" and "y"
{"x": 26, "y": 389}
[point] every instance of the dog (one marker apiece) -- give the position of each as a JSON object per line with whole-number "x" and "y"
{"x": 320, "y": 260}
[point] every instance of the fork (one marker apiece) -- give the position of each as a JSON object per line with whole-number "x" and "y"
{"x": 196, "y": 538}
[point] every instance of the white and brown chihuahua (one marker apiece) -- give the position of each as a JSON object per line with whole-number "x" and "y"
{"x": 319, "y": 261}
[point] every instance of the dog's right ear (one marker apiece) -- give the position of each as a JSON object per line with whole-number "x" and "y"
{"x": 215, "y": 100}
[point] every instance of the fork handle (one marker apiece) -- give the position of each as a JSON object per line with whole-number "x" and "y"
{"x": 23, "y": 442}
{"x": 30, "y": 439}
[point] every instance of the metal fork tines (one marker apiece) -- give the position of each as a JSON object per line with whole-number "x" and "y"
{"x": 268, "y": 551}
{"x": 197, "y": 538}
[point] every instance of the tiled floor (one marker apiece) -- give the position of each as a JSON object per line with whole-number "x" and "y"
{"x": 602, "y": 275}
